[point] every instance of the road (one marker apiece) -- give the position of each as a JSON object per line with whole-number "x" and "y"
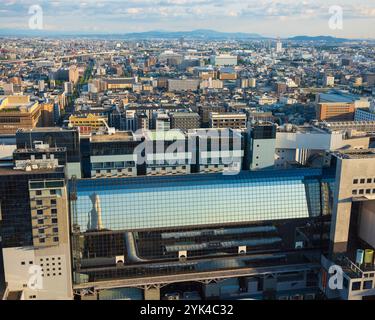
{"x": 197, "y": 276}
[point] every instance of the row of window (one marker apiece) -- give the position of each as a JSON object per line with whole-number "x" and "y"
{"x": 43, "y": 240}
{"x": 165, "y": 168}
{"x": 363, "y": 191}
{"x": 54, "y": 230}
{"x": 53, "y": 202}
{"x": 120, "y": 164}
{"x": 110, "y": 171}
{"x": 41, "y": 211}
{"x": 42, "y": 221}
{"x": 52, "y": 192}
{"x": 363, "y": 180}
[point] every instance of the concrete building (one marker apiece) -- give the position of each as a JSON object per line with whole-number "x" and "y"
{"x": 228, "y": 120}
{"x": 88, "y": 123}
{"x": 364, "y": 115}
{"x": 261, "y": 146}
{"x": 35, "y": 231}
{"x": 352, "y": 240}
{"x": 308, "y": 145}
{"x": 185, "y": 120}
{"x": 183, "y": 84}
{"x": 113, "y": 155}
{"x": 335, "y": 111}
{"x": 161, "y": 121}
{"x": 217, "y": 150}
{"x": 55, "y": 138}
{"x": 224, "y": 60}
{"x": 142, "y": 121}
{"x": 19, "y": 112}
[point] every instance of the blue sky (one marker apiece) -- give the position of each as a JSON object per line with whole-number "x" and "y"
{"x": 266, "y": 17}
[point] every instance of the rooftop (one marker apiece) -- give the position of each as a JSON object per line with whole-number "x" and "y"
{"x": 356, "y": 154}
{"x": 10, "y": 171}
{"x": 118, "y": 136}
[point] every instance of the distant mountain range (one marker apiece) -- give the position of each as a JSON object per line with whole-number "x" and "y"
{"x": 319, "y": 38}
{"x": 194, "y": 34}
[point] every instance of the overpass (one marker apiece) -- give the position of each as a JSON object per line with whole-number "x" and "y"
{"x": 205, "y": 277}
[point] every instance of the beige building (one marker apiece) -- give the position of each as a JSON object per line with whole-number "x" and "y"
{"x": 228, "y": 120}
{"x": 18, "y": 112}
{"x": 335, "y": 111}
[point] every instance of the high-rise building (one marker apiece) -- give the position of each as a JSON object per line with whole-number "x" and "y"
{"x": 279, "y": 46}
{"x": 35, "y": 229}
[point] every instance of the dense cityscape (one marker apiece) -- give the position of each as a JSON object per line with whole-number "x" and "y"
{"x": 187, "y": 166}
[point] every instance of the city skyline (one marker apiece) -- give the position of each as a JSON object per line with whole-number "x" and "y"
{"x": 268, "y": 18}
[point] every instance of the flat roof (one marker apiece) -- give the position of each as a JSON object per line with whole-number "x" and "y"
{"x": 46, "y": 129}
{"x": 118, "y": 136}
{"x": 356, "y": 154}
{"x": 334, "y": 97}
{"x": 11, "y": 171}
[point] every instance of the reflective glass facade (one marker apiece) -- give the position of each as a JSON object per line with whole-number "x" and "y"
{"x": 139, "y": 204}
{"x": 213, "y": 222}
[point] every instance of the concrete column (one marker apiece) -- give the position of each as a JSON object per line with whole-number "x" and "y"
{"x": 152, "y": 293}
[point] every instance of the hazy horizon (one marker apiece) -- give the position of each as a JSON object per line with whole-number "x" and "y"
{"x": 269, "y": 18}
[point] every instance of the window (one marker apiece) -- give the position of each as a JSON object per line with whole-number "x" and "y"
{"x": 38, "y": 192}
{"x": 40, "y": 221}
{"x": 39, "y": 202}
{"x": 56, "y": 239}
{"x": 23, "y": 263}
{"x": 368, "y": 191}
{"x": 42, "y": 240}
{"x": 355, "y": 181}
{"x": 363, "y": 181}
{"x": 55, "y": 229}
{"x": 369, "y": 180}
{"x": 41, "y": 231}
{"x": 39, "y": 212}
{"x": 54, "y": 211}
{"x": 356, "y": 286}
{"x": 53, "y": 202}
{"x": 361, "y": 191}
{"x": 52, "y": 192}
{"x": 354, "y": 192}
{"x": 54, "y": 220}
{"x": 367, "y": 284}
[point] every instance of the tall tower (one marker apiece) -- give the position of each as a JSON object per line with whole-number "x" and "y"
{"x": 279, "y": 46}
